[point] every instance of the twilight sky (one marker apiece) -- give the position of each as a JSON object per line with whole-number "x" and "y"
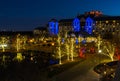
{"x": 28, "y": 14}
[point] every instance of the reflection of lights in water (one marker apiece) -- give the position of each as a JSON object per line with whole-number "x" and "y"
{"x": 19, "y": 57}
{"x": 31, "y": 58}
{"x": 35, "y": 61}
{"x": 3, "y": 58}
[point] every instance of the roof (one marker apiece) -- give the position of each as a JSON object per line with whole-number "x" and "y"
{"x": 40, "y": 28}
{"x": 54, "y": 20}
{"x": 12, "y": 33}
{"x": 66, "y": 20}
{"x": 103, "y": 18}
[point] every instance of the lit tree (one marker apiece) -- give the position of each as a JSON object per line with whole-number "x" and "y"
{"x": 67, "y": 46}
{"x": 59, "y": 48}
{"x": 19, "y": 39}
{"x": 3, "y": 43}
{"x": 109, "y": 49}
{"x": 3, "y": 59}
{"x": 24, "y": 40}
{"x": 79, "y": 40}
{"x": 18, "y": 42}
{"x": 19, "y": 57}
{"x": 99, "y": 43}
{"x": 72, "y": 40}
{"x": 72, "y": 47}
{"x": 68, "y": 49}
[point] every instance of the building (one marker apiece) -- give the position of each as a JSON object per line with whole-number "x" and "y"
{"x": 53, "y": 27}
{"x": 107, "y": 26}
{"x": 41, "y": 31}
{"x": 92, "y": 23}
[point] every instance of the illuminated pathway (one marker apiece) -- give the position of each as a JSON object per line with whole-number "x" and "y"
{"x": 83, "y": 71}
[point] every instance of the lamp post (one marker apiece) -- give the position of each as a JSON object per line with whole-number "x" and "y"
{"x": 99, "y": 52}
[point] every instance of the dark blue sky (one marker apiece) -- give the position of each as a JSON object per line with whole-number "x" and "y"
{"x": 28, "y": 14}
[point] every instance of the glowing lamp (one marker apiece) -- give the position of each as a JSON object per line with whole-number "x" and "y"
{"x": 99, "y": 51}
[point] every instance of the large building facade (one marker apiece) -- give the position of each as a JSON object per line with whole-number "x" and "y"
{"x": 93, "y": 22}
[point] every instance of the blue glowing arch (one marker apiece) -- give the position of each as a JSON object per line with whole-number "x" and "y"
{"x": 89, "y": 25}
{"x": 76, "y": 25}
{"x": 53, "y": 27}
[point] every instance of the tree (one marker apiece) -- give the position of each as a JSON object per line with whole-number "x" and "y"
{"x": 4, "y": 43}
{"x": 59, "y": 48}
{"x": 18, "y": 42}
{"x": 109, "y": 49}
{"x": 72, "y": 48}
{"x": 24, "y": 40}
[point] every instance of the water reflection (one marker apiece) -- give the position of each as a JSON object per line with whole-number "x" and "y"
{"x": 40, "y": 58}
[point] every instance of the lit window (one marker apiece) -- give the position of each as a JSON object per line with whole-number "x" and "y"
{"x": 106, "y": 21}
{"x": 114, "y": 21}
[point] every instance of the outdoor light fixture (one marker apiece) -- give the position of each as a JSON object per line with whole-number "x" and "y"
{"x": 99, "y": 51}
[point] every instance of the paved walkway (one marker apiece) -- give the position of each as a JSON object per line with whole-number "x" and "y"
{"x": 81, "y": 72}
{"x": 90, "y": 76}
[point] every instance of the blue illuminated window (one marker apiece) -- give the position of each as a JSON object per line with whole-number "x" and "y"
{"x": 53, "y": 27}
{"x": 77, "y": 41}
{"x": 76, "y": 25}
{"x": 56, "y": 28}
{"x": 88, "y": 25}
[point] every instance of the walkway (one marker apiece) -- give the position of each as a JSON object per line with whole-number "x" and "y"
{"x": 81, "y": 72}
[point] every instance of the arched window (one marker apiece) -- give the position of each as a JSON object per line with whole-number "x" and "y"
{"x": 89, "y": 25}
{"x": 53, "y": 27}
{"x": 76, "y": 25}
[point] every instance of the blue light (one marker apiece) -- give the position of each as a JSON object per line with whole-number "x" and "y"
{"x": 77, "y": 41}
{"x": 51, "y": 61}
{"x": 53, "y": 27}
{"x": 88, "y": 25}
{"x": 84, "y": 41}
{"x": 76, "y": 25}
{"x": 63, "y": 40}
{"x": 56, "y": 28}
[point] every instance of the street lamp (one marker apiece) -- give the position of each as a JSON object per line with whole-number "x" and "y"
{"x": 99, "y": 51}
